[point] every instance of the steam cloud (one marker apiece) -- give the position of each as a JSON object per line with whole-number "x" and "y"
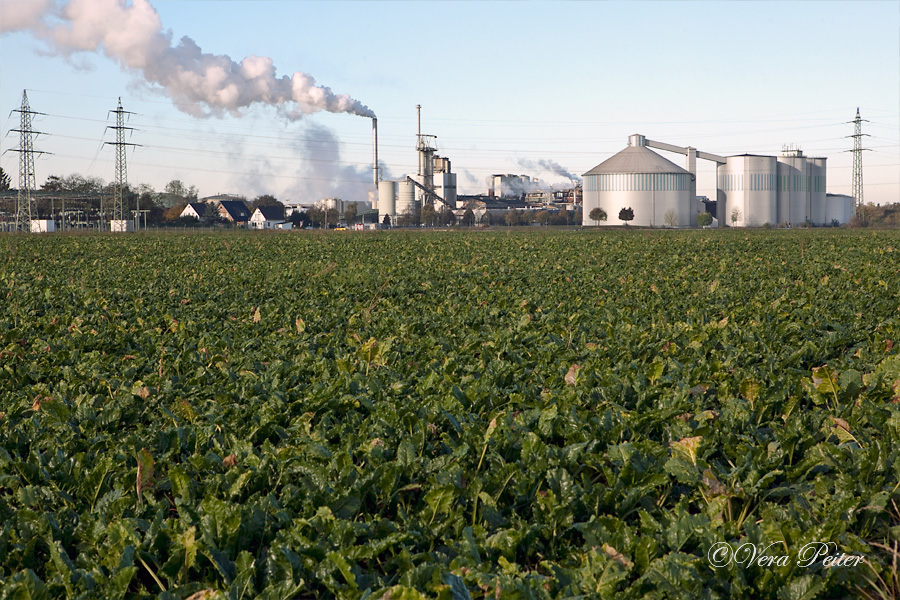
{"x": 329, "y": 177}
{"x": 548, "y": 166}
{"x": 199, "y": 83}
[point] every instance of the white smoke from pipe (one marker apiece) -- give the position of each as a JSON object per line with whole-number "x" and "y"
{"x": 200, "y": 84}
{"x": 548, "y": 166}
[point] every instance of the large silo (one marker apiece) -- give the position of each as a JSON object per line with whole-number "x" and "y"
{"x": 747, "y": 191}
{"x": 387, "y": 194}
{"x": 656, "y": 189}
{"x": 445, "y": 187}
{"x": 816, "y": 185}
{"x": 793, "y": 184}
{"x": 406, "y": 198}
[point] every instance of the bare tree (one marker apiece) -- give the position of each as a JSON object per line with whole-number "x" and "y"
{"x": 671, "y": 218}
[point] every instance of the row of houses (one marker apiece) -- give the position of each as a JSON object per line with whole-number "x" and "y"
{"x": 237, "y": 212}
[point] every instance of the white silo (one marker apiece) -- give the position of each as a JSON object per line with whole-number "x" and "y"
{"x": 445, "y": 187}
{"x": 839, "y": 208}
{"x": 656, "y": 189}
{"x": 793, "y": 182}
{"x": 816, "y": 185}
{"x": 387, "y": 200}
{"x": 406, "y": 198}
{"x": 747, "y": 191}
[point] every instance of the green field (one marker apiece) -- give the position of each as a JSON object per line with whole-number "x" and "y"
{"x": 498, "y": 414}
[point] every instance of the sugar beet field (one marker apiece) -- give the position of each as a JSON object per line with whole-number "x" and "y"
{"x": 497, "y": 414}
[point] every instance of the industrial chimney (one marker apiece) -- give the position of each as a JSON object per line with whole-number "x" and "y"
{"x": 375, "y": 152}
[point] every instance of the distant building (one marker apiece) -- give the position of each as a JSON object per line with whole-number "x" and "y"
{"x": 267, "y": 217}
{"x": 508, "y": 185}
{"x": 194, "y": 210}
{"x": 234, "y": 211}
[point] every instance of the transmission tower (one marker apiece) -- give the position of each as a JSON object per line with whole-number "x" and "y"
{"x": 121, "y": 170}
{"x": 25, "y": 208}
{"x": 857, "y": 136}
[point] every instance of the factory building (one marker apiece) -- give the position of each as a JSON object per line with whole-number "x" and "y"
{"x": 508, "y": 185}
{"x": 752, "y": 190}
{"x": 433, "y": 185}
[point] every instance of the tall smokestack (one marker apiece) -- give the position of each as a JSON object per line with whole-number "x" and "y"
{"x": 375, "y": 151}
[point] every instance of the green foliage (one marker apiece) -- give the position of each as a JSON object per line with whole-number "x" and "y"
{"x": 704, "y": 219}
{"x": 513, "y": 414}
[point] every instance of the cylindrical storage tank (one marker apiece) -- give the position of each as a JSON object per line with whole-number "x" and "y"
{"x": 839, "y": 208}
{"x": 335, "y": 204}
{"x": 387, "y": 199}
{"x": 817, "y": 190}
{"x": 655, "y": 189}
{"x": 747, "y": 190}
{"x": 406, "y": 198}
{"x": 793, "y": 189}
{"x": 445, "y": 187}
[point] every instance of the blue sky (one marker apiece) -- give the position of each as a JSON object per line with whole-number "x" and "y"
{"x": 499, "y": 83}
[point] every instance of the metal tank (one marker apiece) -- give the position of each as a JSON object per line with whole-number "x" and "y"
{"x": 406, "y": 198}
{"x": 793, "y": 183}
{"x": 656, "y": 189}
{"x": 335, "y": 204}
{"x": 839, "y": 208}
{"x": 445, "y": 187}
{"x": 816, "y": 186}
{"x": 387, "y": 198}
{"x": 747, "y": 191}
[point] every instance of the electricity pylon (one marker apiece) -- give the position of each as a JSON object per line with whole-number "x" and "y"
{"x": 857, "y": 186}
{"x": 121, "y": 168}
{"x": 25, "y": 208}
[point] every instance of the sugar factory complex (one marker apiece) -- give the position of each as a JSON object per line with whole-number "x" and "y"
{"x": 752, "y": 190}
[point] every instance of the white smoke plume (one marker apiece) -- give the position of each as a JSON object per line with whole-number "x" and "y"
{"x": 199, "y": 83}
{"x": 323, "y": 174}
{"x": 548, "y": 166}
